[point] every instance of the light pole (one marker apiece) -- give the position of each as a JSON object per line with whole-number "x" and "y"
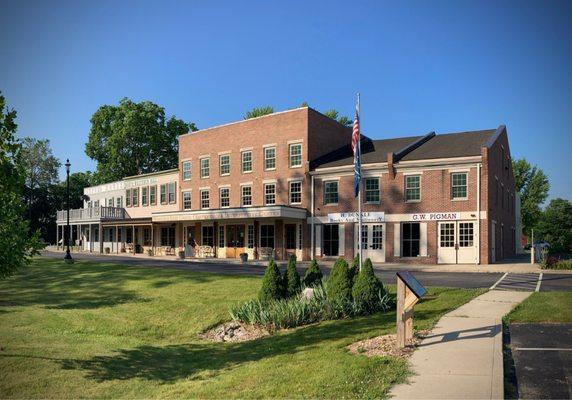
{"x": 68, "y": 258}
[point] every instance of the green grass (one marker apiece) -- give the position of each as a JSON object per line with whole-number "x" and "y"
{"x": 107, "y": 331}
{"x": 543, "y": 307}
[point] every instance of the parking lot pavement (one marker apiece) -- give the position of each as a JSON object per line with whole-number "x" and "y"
{"x": 556, "y": 282}
{"x": 519, "y": 282}
{"x": 542, "y": 355}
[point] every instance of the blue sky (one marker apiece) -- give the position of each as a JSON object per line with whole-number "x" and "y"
{"x": 419, "y": 65}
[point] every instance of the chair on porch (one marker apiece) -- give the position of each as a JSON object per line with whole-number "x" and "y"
{"x": 168, "y": 251}
{"x": 206, "y": 251}
{"x": 266, "y": 253}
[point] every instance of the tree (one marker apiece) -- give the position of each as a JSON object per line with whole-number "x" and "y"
{"x": 272, "y": 288}
{"x": 367, "y": 287}
{"x": 258, "y": 112}
{"x": 133, "y": 138}
{"x": 334, "y": 114}
{"x": 291, "y": 278}
{"x": 313, "y": 275}
{"x": 532, "y": 185}
{"x": 555, "y": 225}
{"x": 339, "y": 285}
{"x": 17, "y": 244}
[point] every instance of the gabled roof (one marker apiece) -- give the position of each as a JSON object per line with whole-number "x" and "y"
{"x": 450, "y": 145}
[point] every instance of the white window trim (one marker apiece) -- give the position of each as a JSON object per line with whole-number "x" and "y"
{"x": 201, "y": 199}
{"x": 219, "y": 164}
{"x": 264, "y": 192}
{"x": 242, "y": 152}
{"x": 183, "y": 169}
{"x": 220, "y": 189}
{"x": 290, "y": 182}
{"x": 290, "y": 155}
{"x": 466, "y": 172}
{"x": 378, "y": 189}
{"x": 183, "y": 199}
{"x": 405, "y": 189}
{"x": 264, "y": 156}
{"x": 201, "y": 167}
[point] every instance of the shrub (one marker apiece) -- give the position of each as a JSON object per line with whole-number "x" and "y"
{"x": 339, "y": 285}
{"x": 354, "y": 270}
{"x": 291, "y": 278}
{"x": 367, "y": 287}
{"x": 313, "y": 275}
{"x": 272, "y": 288}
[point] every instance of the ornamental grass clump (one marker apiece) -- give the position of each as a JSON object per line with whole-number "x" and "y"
{"x": 272, "y": 285}
{"x": 313, "y": 275}
{"x": 292, "y": 282}
{"x": 367, "y": 287}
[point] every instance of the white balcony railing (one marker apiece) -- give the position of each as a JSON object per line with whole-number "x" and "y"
{"x": 92, "y": 214}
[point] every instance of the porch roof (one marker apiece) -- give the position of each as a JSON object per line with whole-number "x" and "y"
{"x": 231, "y": 213}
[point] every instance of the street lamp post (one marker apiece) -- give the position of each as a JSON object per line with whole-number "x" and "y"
{"x": 68, "y": 258}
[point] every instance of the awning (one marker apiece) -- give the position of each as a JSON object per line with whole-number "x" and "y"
{"x": 231, "y": 213}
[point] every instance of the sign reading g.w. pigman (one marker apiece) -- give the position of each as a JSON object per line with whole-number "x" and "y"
{"x": 436, "y": 216}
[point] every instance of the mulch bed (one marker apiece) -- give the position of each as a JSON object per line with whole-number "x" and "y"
{"x": 234, "y": 332}
{"x": 386, "y": 345}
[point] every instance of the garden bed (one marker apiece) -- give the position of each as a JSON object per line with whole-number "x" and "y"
{"x": 386, "y": 345}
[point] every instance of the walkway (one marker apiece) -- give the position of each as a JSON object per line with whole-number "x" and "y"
{"x": 462, "y": 357}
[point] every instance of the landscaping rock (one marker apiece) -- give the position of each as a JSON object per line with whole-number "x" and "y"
{"x": 234, "y": 332}
{"x": 307, "y": 294}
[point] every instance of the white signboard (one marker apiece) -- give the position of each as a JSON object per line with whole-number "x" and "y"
{"x": 353, "y": 217}
{"x": 436, "y": 216}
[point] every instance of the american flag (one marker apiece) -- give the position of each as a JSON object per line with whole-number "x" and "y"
{"x": 356, "y": 147}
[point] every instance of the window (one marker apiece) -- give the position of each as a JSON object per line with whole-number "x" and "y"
{"x": 208, "y": 236}
{"x": 413, "y": 188}
{"x": 290, "y": 235}
{"x": 296, "y": 192}
{"x": 128, "y": 198}
{"x": 267, "y": 236}
{"x": 96, "y": 235}
{"x": 372, "y": 190}
{"x": 269, "y": 194}
{"x": 221, "y": 236}
{"x": 128, "y": 235}
{"x": 269, "y": 158}
{"x": 331, "y": 240}
{"x": 225, "y": 197}
{"x": 224, "y": 164}
{"x": 466, "y": 234}
{"x": 135, "y": 197}
{"x": 246, "y": 157}
{"x": 331, "y": 192}
{"x": 205, "y": 198}
{"x": 163, "y": 194}
{"x": 205, "y": 167}
{"x": 377, "y": 237}
{"x": 172, "y": 194}
{"x": 364, "y": 230}
{"x": 246, "y": 196}
{"x": 447, "y": 234}
{"x": 110, "y": 202}
{"x": 295, "y": 155}
{"x": 459, "y": 185}
{"x": 144, "y": 196}
{"x": 146, "y": 236}
{"x": 411, "y": 238}
{"x": 250, "y": 237}
{"x": 153, "y": 195}
{"x": 96, "y": 204}
{"x": 89, "y": 204}
{"x": 186, "y": 170}
{"x": 300, "y": 241}
{"x": 119, "y": 202}
{"x": 167, "y": 236}
{"x": 186, "y": 200}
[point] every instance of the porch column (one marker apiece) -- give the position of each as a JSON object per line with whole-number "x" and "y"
{"x": 78, "y": 237}
{"x": 215, "y": 239}
{"x": 117, "y": 239}
{"x": 133, "y": 236}
{"x": 256, "y": 239}
{"x": 100, "y": 237}
{"x": 152, "y": 239}
{"x": 57, "y": 237}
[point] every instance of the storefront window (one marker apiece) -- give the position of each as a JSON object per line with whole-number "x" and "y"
{"x": 167, "y": 236}
{"x": 411, "y": 239}
{"x": 331, "y": 240}
{"x": 221, "y": 236}
{"x": 208, "y": 236}
{"x": 250, "y": 238}
{"x": 146, "y": 236}
{"x": 267, "y": 236}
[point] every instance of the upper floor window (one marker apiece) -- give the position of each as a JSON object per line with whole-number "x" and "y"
{"x": 246, "y": 158}
{"x": 413, "y": 188}
{"x": 144, "y": 196}
{"x": 153, "y": 195}
{"x": 205, "y": 167}
{"x": 269, "y": 158}
{"x": 295, "y": 155}
{"x": 296, "y": 192}
{"x": 331, "y": 192}
{"x": 163, "y": 194}
{"x": 128, "y": 198}
{"x": 135, "y": 197}
{"x": 269, "y": 194}
{"x": 459, "y": 185}
{"x": 172, "y": 194}
{"x": 186, "y": 170}
{"x": 246, "y": 196}
{"x": 224, "y": 197}
{"x": 186, "y": 200}
{"x": 110, "y": 202}
{"x": 372, "y": 190}
{"x": 119, "y": 202}
{"x": 96, "y": 205}
{"x": 224, "y": 164}
{"x": 205, "y": 198}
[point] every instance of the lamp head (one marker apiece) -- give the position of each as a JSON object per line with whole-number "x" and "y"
{"x": 68, "y": 165}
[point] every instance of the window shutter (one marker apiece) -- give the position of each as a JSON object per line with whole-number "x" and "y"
{"x": 397, "y": 240}
{"x": 423, "y": 239}
{"x": 318, "y": 240}
{"x": 342, "y": 239}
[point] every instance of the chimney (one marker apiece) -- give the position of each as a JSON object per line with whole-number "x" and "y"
{"x": 390, "y": 167}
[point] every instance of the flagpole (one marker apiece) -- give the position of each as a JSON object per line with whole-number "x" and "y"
{"x": 359, "y": 189}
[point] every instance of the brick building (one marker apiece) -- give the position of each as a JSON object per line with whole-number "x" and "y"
{"x": 283, "y": 184}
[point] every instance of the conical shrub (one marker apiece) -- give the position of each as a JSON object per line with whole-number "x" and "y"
{"x": 354, "y": 269}
{"x": 272, "y": 287}
{"x": 313, "y": 275}
{"x": 292, "y": 279}
{"x": 339, "y": 285}
{"x": 367, "y": 287}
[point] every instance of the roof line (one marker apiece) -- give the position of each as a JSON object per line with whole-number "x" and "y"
{"x": 495, "y": 136}
{"x": 242, "y": 121}
{"x": 167, "y": 171}
{"x": 412, "y": 146}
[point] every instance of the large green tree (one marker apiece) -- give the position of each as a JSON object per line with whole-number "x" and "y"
{"x": 335, "y": 115}
{"x": 555, "y": 225}
{"x": 17, "y": 243}
{"x": 133, "y": 138}
{"x": 258, "y": 112}
{"x": 532, "y": 185}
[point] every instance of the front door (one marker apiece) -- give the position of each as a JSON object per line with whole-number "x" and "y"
{"x": 234, "y": 240}
{"x": 290, "y": 238}
{"x": 372, "y": 238}
{"x": 456, "y": 240}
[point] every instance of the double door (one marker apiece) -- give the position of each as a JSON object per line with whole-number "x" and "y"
{"x": 456, "y": 242}
{"x": 234, "y": 240}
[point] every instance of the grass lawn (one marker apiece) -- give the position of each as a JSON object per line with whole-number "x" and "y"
{"x": 543, "y": 307}
{"x": 107, "y": 330}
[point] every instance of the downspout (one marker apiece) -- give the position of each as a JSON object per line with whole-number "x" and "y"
{"x": 312, "y": 252}
{"x": 478, "y": 258}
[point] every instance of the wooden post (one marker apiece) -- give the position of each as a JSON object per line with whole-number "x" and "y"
{"x": 400, "y": 312}
{"x": 409, "y": 291}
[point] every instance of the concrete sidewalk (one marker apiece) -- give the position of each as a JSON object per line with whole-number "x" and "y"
{"x": 462, "y": 357}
